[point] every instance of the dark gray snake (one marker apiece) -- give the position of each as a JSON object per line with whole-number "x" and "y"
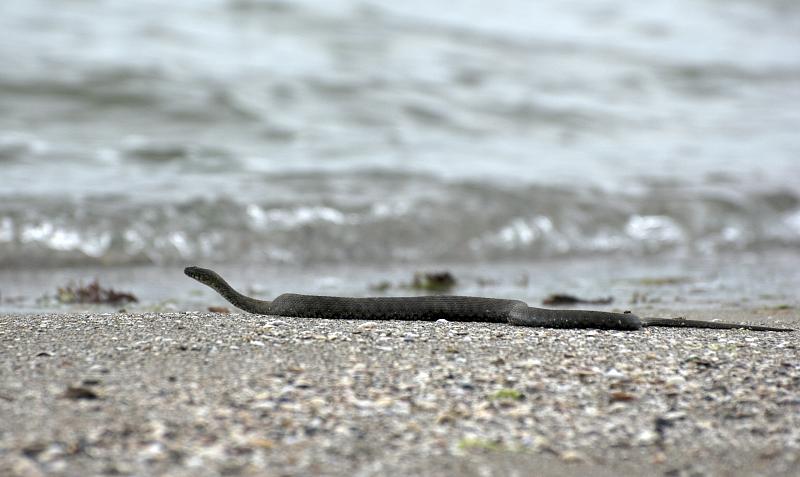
{"x": 452, "y": 308}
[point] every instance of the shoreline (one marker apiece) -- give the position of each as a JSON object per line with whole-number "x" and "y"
{"x": 640, "y": 284}
{"x": 206, "y": 394}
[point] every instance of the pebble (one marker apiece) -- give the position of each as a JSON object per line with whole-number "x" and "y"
{"x": 675, "y": 381}
{"x": 646, "y": 438}
{"x": 572, "y": 456}
{"x": 615, "y": 374}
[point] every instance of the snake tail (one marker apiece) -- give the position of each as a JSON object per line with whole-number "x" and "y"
{"x": 683, "y": 323}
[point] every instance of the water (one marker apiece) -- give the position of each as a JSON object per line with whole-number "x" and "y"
{"x": 379, "y": 133}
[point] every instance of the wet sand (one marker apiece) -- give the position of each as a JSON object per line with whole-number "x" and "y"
{"x": 207, "y": 394}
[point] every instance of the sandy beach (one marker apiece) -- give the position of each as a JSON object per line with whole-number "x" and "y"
{"x": 212, "y": 394}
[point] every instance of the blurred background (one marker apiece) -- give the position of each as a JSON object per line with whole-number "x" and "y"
{"x": 532, "y": 145}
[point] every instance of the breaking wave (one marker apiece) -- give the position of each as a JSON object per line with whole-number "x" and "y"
{"x": 422, "y": 220}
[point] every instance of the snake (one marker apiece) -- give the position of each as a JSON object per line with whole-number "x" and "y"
{"x": 444, "y": 307}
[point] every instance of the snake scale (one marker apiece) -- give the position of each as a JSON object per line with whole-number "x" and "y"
{"x": 452, "y": 308}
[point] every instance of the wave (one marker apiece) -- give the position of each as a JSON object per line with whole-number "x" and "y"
{"x": 422, "y": 219}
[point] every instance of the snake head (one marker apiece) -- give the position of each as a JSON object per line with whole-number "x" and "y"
{"x": 202, "y": 275}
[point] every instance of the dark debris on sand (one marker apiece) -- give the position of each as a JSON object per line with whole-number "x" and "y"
{"x": 93, "y": 293}
{"x": 565, "y": 299}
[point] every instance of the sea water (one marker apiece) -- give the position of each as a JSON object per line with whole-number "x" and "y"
{"x": 300, "y": 133}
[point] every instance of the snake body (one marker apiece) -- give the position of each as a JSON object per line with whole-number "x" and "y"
{"x": 451, "y": 308}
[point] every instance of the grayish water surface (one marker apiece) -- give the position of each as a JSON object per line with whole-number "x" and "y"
{"x": 390, "y": 132}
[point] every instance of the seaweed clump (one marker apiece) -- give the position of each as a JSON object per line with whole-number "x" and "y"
{"x": 565, "y": 299}
{"x": 433, "y": 281}
{"x": 93, "y": 293}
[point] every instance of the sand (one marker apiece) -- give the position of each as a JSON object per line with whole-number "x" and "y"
{"x": 209, "y": 394}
